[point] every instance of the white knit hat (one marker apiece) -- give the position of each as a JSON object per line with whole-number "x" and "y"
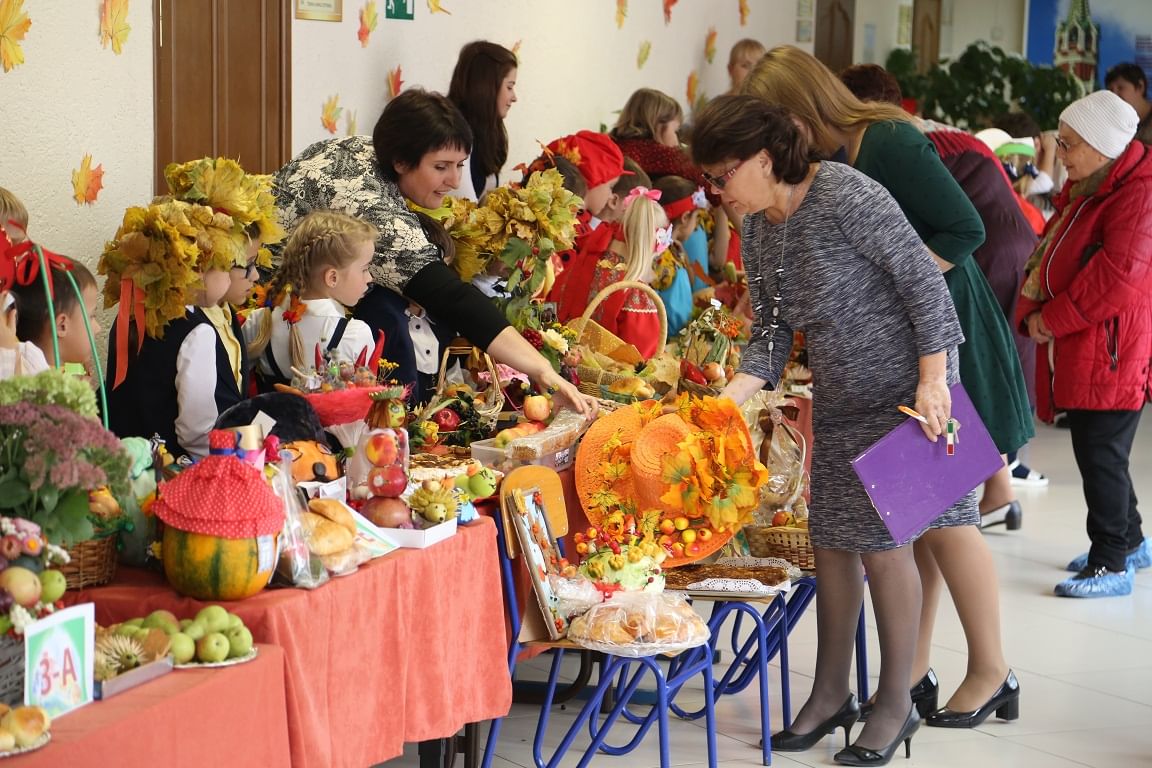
{"x": 1104, "y": 120}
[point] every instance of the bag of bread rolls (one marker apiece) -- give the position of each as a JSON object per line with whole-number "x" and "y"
{"x": 636, "y": 624}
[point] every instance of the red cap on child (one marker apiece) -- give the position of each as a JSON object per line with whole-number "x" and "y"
{"x": 595, "y": 154}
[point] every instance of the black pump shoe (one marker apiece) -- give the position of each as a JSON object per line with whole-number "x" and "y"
{"x": 845, "y": 717}
{"x": 1005, "y": 702}
{"x": 857, "y": 755}
{"x": 1011, "y": 516}
{"x": 925, "y": 696}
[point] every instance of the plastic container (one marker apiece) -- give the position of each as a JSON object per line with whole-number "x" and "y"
{"x": 488, "y": 454}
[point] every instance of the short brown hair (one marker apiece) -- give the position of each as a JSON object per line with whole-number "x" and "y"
{"x": 413, "y": 124}
{"x": 32, "y": 320}
{"x": 11, "y": 209}
{"x": 626, "y": 183}
{"x": 737, "y": 127}
{"x": 871, "y": 82}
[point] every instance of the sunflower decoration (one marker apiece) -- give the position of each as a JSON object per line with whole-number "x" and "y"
{"x": 222, "y": 185}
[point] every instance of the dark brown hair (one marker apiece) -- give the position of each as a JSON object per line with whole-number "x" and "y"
{"x": 437, "y": 235}
{"x": 32, "y": 320}
{"x": 626, "y": 183}
{"x": 1017, "y": 124}
{"x": 737, "y": 127}
{"x": 673, "y": 188}
{"x": 1126, "y": 70}
{"x": 871, "y": 82}
{"x": 413, "y": 124}
{"x": 476, "y": 80}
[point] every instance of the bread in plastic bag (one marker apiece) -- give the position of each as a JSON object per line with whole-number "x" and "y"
{"x": 782, "y": 450}
{"x": 636, "y": 624}
{"x": 346, "y": 561}
{"x": 297, "y": 566}
{"x": 574, "y": 595}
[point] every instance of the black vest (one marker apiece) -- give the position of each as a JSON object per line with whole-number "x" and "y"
{"x": 145, "y": 403}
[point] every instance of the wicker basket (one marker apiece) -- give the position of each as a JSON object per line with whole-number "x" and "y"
{"x": 595, "y": 336}
{"x": 92, "y": 563}
{"x": 489, "y": 403}
{"x": 792, "y": 544}
{"x": 11, "y": 670}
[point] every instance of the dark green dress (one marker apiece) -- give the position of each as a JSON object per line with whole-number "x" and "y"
{"x": 905, "y": 162}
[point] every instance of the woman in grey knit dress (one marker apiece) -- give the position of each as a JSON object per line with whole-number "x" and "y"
{"x": 828, "y": 251}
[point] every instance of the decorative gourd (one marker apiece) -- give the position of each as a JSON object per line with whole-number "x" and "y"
{"x": 215, "y": 568}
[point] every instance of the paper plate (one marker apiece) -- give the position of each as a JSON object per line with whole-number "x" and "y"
{"x": 226, "y": 663}
{"x": 40, "y": 742}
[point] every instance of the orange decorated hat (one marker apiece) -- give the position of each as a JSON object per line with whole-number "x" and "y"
{"x": 591, "y": 453}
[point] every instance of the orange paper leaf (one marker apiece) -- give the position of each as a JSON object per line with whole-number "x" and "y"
{"x": 367, "y": 22}
{"x": 434, "y": 7}
{"x": 621, "y": 13}
{"x": 710, "y": 45}
{"x": 693, "y": 84}
{"x": 330, "y": 113}
{"x": 744, "y": 13}
{"x": 114, "y": 27}
{"x": 395, "y": 83}
{"x": 87, "y": 182}
{"x": 14, "y": 24}
{"x": 668, "y": 10}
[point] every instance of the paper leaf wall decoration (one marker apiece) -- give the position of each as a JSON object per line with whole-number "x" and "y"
{"x": 516, "y": 48}
{"x": 87, "y": 182}
{"x": 693, "y": 85}
{"x": 710, "y": 45}
{"x": 434, "y": 7}
{"x": 367, "y": 22}
{"x": 330, "y": 113}
{"x": 744, "y": 13}
{"x": 621, "y": 13}
{"x": 395, "y": 83}
{"x": 643, "y": 53}
{"x": 668, "y": 10}
{"x": 114, "y": 27}
{"x": 14, "y": 24}
{"x": 349, "y": 123}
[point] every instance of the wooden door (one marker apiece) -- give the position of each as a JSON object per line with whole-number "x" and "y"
{"x": 223, "y": 82}
{"x": 926, "y": 33}
{"x": 835, "y": 33}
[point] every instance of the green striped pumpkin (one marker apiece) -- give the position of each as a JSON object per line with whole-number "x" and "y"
{"x": 215, "y": 568}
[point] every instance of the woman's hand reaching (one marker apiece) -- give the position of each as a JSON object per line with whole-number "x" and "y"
{"x": 934, "y": 403}
{"x": 565, "y": 393}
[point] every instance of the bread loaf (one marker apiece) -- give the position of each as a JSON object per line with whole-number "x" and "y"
{"x": 334, "y": 511}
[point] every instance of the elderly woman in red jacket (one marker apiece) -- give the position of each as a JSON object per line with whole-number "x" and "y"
{"x": 1088, "y": 299}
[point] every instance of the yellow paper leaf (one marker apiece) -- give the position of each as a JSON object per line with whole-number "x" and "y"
{"x": 621, "y": 13}
{"x": 14, "y": 24}
{"x": 693, "y": 84}
{"x": 516, "y": 48}
{"x": 643, "y": 53}
{"x": 395, "y": 83}
{"x": 87, "y": 182}
{"x": 114, "y": 27}
{"x": 367, "y": 22}
{"x": 434, "y": 7}
{"x": 349, "y": 123}
{"x": 710, "y": 45}
{"x": 330, "y": 113}
{"x": 744, "y": 13}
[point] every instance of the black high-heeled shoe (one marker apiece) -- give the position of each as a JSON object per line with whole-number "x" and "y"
{"x": 925, "y": 696}
{"x": 856, "y": 755}
{"x": 1010, "y": 515}
{"x": 1005, "y": 702}
{"x": 845, "y": 717}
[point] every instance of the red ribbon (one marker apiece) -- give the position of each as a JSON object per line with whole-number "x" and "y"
{"x": 131, "y": 310}
{"x": 20, "y": 263}
{"x": 679, "y": 207}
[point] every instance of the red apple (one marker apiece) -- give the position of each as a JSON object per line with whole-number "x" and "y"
{"x": 704, "y": 534}
{"x": 667, "y": 526}
{"x": 10, "y": 547}
{"x": 537, "y": 408}
{"x": 693, "y": 549}
{"x": 389, "y": 482}
{"x": 381, "y": 449}
{"x": 388, "y": 512}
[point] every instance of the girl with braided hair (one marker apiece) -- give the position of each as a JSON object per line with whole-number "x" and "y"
{"x": 323, "y": 272}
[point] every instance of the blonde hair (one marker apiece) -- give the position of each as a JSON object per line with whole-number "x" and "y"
{"x": 322, "y": 240}
{"x": 11, "y": 209}
{"x": 745, "y": 49}
{"x": 638, "y": 227}
{"x": 800, "y": 83}
{"x": 646, "y": 110}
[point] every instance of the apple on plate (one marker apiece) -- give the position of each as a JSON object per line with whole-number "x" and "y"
{"x": 387, "y": 481}
{"x": 212, "y": 647}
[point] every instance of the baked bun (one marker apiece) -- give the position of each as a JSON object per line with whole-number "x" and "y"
{"x": 26, "y": 724}
{"x": 334, "y": 511}
{"x": 324, "y": 536}
{"x": 7, "y": 741}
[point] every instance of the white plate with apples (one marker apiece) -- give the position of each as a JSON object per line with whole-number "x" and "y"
{"x": 214, "y": 664}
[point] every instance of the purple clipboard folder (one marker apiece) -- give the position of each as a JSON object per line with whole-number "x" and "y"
{"x": 912, "y": 481}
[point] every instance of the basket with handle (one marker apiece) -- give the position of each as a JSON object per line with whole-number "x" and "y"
{"x": 789, "y": 542}
{"x": 490, "y": 402}
{"x": 92, "y": 563}
{"x": 596, "y": 337}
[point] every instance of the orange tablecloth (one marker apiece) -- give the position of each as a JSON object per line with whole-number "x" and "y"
{"x": 231, "y": 716}
{"x": 409, "y": 648}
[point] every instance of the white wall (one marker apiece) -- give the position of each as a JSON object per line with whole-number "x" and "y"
{"x": 576, "y": 66}
{"x": 70, "y": 98}
{"x": 883, "y": 16}
{"x": 999, "y": 22}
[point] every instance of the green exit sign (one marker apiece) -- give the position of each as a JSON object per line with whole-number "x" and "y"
{"x": 398, "y": 9}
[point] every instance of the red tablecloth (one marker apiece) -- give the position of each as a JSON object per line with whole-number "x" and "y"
{"x": 230, "y": 716}
{"x": 409, "y": 648}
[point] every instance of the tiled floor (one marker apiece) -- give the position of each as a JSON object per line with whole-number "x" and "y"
{"x": 1085, "y": 666}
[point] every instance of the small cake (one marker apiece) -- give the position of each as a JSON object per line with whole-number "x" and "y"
{"x": 634, "y": 568}
{"x": 428, "y": 466}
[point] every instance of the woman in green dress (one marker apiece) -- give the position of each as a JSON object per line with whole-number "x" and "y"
{"x": 880, "y": 140}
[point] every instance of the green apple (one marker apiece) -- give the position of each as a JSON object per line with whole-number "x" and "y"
{"x": 184, "y": 624}
{"x": 212, "y": 647}
{"x": 160, "y": 619}
{"x": 213, "y": 617}
{"x": 52, "y": 585}
{"x": 196, "y": 630}
{"x": 133, "y": 622}
{"x": 482, "y": 484}
{"x": 128, "y": 630}
{"x": 463, "y": 483}
{"x": 234, "y": 621}
{"x": 182, "y": 648}
{"x": 239, "y": 642}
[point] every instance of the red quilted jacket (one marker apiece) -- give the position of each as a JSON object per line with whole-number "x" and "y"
{"x": 1098, "y": 272}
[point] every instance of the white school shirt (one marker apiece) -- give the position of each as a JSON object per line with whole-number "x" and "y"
{"x": 25, "y": 359}
{"x": 316, "y": 326}
{"x": 196, "y": 411}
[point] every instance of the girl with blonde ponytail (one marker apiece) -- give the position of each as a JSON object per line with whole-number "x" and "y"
{"x": 323, "y": 272}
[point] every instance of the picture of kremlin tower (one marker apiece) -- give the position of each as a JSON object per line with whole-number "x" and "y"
{"x": 1077, "y": 45}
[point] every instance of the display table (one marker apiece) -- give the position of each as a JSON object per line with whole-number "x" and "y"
{"x": 409, "y": 648}
{"x": 230, "y": 716}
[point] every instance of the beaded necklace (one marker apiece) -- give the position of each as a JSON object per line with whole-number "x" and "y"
{"x": 774, "y": 320}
